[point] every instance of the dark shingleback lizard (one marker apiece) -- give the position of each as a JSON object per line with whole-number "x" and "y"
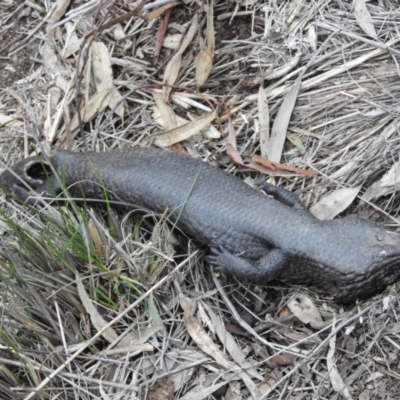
{"x": 251, "y": 235}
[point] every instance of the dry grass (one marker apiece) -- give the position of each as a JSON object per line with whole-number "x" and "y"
{"x": 100, "y": 305}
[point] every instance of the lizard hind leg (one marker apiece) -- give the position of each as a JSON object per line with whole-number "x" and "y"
{"x": 266, "y": 268}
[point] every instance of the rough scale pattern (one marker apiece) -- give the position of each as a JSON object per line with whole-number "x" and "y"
{"x": 251, "y": 235}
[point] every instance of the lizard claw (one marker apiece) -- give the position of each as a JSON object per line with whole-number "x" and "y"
{"x": 219, "y": 259}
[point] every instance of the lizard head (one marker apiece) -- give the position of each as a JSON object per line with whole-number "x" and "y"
{"x": 360, "y": 256}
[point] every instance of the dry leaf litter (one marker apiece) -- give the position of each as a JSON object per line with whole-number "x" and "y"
{"x": 96, "y": 304}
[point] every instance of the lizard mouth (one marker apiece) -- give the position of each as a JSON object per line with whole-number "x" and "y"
{"x": 379, "y": 275}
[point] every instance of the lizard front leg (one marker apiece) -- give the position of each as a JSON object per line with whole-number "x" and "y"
{"x": 266, "y": 268}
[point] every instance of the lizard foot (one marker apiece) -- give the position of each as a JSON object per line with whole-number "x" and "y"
{"x": 266, "y": 268}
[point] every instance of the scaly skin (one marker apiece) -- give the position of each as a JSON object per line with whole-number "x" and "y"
{"x": 251, "y": 235}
